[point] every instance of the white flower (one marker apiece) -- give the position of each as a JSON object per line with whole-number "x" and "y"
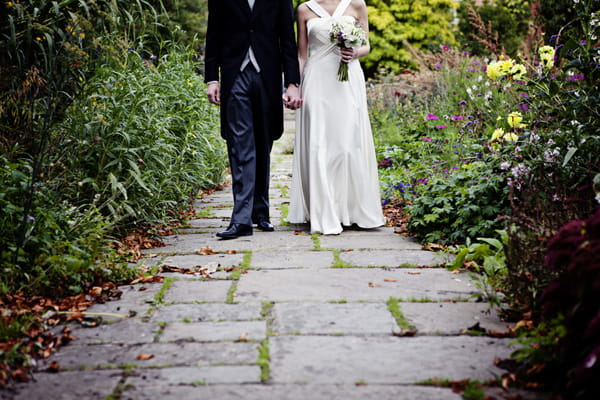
{"x": 505, "y": 165}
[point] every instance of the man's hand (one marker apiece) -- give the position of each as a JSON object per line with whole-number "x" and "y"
{"x": 291, "y": 97}
{"x": 214, "y": 93}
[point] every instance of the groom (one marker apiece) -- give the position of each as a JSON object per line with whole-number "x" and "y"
{"x": 250, "y": 43}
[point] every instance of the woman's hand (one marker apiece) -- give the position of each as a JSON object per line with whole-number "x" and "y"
{"x": 348, "y": 54}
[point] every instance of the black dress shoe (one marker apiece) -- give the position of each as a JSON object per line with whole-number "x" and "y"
{"x": 235, "y": 231}
{"x": 265, "y": 225}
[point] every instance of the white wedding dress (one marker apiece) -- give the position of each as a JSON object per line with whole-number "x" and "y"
{"x": 334, "y": 173}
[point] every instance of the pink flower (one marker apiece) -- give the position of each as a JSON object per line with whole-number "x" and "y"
{"x": 441, "y": 126}
{"x": 431, "y": 116}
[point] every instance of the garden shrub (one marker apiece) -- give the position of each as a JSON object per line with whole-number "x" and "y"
{"x": 464, "y": 204}
{"x": 141, "y": 141}
{"x": 55, "y": 247}
{"x": 571, "y": 304}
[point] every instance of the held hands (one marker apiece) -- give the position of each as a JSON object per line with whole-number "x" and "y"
{"x": 214, "y": 93}
{"x": 348, "y": 54}
{"x": 291, "y": 97}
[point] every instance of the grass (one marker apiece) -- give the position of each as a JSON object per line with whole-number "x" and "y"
{"x": 159, "y": 297}
{"x": 205, "y": 213}
{"x": 235, "y": 276}
{"x": 401, "y": 320}
{"x": 264, "y": 360}
{"x": 338, "y": 262}
{"x": 316, "y": 238}
{"x": 285, "y": 209}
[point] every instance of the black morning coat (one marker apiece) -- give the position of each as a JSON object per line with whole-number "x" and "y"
{"x": 269, "y": 28}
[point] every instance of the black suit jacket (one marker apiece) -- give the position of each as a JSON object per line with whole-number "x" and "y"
{"x": 269, "y": 28}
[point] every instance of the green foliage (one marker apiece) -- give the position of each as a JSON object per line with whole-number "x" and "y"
{"x": 53, "y": 248}
{"x": 487, "y": 258}
{"x": 464, "y": 204}
{"x": 424, "y": 24}
{"x": 141, "y": 141}
{"x": 509, "y": 20}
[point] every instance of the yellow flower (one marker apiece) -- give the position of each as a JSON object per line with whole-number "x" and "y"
{"x": 9, "y": 4}
{"x": 547, "y": 60}
{"x": 493, "y": 71}
{"x": 518, "y": 72}
{"x": 510, "y": 137}
{"x": 505, "y": 66}
{"x": 546, "y": 50}
{"x": 38, "y": 38}
{"x": 82, "y": 35}
{"x": 498, "y": 133}
{"x": 514, "y": 119}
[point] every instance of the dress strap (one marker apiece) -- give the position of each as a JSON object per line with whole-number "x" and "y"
{"x": 318, "y": 9}
{"x": 341, "y": 8}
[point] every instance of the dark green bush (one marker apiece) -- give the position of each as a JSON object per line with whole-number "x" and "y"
{"x": 142, "y": 141}
{"x": 465, "y": 204}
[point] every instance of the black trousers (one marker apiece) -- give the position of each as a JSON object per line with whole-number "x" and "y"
{"x": 249, "y": 147}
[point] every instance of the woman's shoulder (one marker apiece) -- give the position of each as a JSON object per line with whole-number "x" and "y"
{"x": 358, "y": 4}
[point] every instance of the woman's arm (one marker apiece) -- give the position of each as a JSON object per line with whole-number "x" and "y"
{"x": 302, "y": 14}
{"x": 359, "y": 8}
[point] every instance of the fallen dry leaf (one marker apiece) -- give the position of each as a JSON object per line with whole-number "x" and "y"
{"x": 433, "y": 246}
{"x": 53, "y": 367}
{"x": 144, "y": 357}
{"x": 231, "y": 252}
{"x": 403, "y": 332}
{"x": 414, "y": 273}
{"x": 371, "y": 284}
{"x": 206, "y": 251}
{"x": 243, "y": 337}
{"x": 298, "y": 233}
{"x": 389, "y": 280}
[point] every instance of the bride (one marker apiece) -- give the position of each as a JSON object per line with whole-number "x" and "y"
{"x": 334, "y": 173}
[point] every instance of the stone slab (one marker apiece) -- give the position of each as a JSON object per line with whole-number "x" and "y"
{"x": 220, "y": 374}
{"x": 194, "y": 260}
{"x": 384, "y": 360}
{"x": 451, "y": 318}
{"x": 128, "y": 331}
{"x": 207, "y": 312}
{"x": 214, "y": 331}
{"x": 291, "y": 392}
{"x": 352, "y": 284}
{"x": 203, "y": 223}
{"x": 75, "y": 357}
{"x": 374, "y": 239}
{"x": 135, "y": 300}
{"x": 393, "y": 258}
{"x": 291, "y": 259}
{"x": 326, "y": 318}
{"x": 278, "y": 240}
{"x": 67, "y": 385}
{"x": 193, "y": 291}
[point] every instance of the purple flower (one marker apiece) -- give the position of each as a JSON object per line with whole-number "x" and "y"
{"x": 441, "y": 126}
{"x": 462, "y": 102}
{"x": 438, "y": 66}
{"x": 431, "y": 116}
{"x": 456, "y": 117}
{"x": 574, "y": 78}
{"x": 523, "y": 106}
{"x": 466, "y": 53}
{"x": 477, "y": 63}
{"x": 29, "y": 217}
{"x": 446, "y": 171}
{"x": 446, "y": 48}
{"x": 426, "y": 139}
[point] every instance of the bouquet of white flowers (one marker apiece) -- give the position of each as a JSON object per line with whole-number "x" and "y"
{"x": 347, "y": 34}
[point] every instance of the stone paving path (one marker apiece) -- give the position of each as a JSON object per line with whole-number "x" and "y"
{"x": 298, "y": 316}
